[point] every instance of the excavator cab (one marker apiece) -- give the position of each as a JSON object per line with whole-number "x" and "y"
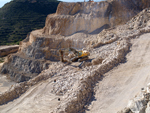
{"x": 79, "y": 56}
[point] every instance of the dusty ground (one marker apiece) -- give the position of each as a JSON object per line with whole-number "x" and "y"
{"x": 5, "y": 83}
{"x": 37, "y": 99}
{"x": 125, "y": 81}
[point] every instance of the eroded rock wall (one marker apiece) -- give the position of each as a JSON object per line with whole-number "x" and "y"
{"x": 91, "y": 17}
{"x": 78, "y": 17}
{"x": 36, "y": 53}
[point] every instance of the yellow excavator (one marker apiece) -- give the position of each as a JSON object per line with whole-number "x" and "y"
{"x": 79, "y": 56}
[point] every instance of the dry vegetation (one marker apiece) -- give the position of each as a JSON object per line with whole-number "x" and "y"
{"x": 2, "y": 59}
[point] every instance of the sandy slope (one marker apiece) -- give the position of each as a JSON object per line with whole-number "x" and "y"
{"x": 124, "y": 81}
{"x": 1, "y": 64}
{"x": 37, "y": 99}
{"x": 5, "y": 83}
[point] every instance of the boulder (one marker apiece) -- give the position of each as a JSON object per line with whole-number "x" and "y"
{"x": 137, "y": 105}
{"x": 148, "y": 108}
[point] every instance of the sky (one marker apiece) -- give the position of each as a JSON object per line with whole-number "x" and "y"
{"x": 79, "y": 0}
{"x": 2, "y": 2}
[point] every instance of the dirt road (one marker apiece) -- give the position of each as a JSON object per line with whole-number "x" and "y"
{"x": 124, "y": 81}
{"x": 37, "y": 99}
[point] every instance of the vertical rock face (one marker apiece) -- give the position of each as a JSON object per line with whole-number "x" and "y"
{"x": 40, "y": 47}
{"x": 91, "y": 17}
{"x": 78, "y": 17}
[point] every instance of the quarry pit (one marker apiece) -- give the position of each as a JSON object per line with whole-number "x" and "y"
{"x": 44, "y": 84}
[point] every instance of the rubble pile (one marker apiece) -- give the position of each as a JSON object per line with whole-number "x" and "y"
{"x": 140, "y": 103}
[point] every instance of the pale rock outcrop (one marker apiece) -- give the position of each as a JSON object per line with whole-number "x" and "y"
{"x": 148, "y": 108}
{"x": 6, "y": 50}
{"x": 91, "y": 17}
{"x": 71, "y": 18}
{"x": 139, "y": 104}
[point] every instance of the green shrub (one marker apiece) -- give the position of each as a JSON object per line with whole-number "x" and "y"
{"x": 19, "y": 17}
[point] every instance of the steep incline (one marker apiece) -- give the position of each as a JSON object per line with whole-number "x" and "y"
{"x": 38, "y": 99}
{"x": 125, "y": 81}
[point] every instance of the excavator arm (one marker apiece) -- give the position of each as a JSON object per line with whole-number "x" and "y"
{"x": 61, "y": 53}
{"x": 79, "y": 55}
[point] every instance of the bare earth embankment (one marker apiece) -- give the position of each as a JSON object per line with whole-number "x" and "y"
{"x": 125, "y": 81}
{"x": 38, "y": 98}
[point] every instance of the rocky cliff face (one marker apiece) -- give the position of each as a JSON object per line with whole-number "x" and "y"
{"x": 91, "y": 17}
{"x": 36, "y": 52}
{"x": 40, "y": 47}
{"x": 78, "y": 17}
